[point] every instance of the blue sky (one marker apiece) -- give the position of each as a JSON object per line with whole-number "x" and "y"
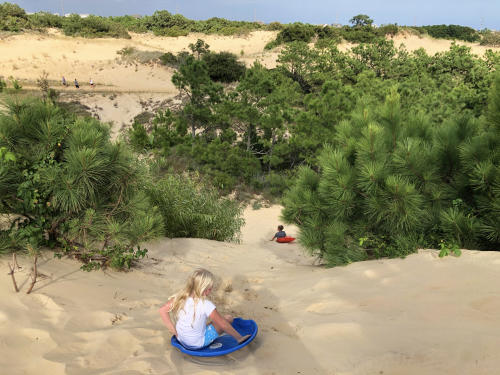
{"x": 473, "y": 13}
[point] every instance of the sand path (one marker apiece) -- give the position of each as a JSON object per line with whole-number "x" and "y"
{"x": 419, "y": 315}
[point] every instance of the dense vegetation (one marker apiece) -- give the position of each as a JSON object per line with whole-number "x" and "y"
{"x": 14, "y": 18}
{"x": 393, "y": 148}
{"x": 162, "y": 22}
{"x": 377, "y": 150}
{"x": 64, "y": 184}
{"x": 255, "y": 132}
{"x": 454, "y": 32}
{"x": 389, "y": 182}
{"x": 363, "y": 31}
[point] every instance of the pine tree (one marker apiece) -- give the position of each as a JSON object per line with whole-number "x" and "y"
{"x": 390, "y": 182}
{"x": 70, "y": 186}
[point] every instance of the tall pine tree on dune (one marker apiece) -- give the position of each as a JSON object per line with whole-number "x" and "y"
{"x": 388, "y": 184}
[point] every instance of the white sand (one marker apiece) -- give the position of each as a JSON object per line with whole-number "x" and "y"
{"x": 419, "y": 315}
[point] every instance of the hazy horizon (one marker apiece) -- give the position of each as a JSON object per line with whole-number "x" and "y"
{"x": 479, "y": 14}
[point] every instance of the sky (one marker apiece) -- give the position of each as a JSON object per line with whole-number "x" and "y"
{"x": 478, "y": 14}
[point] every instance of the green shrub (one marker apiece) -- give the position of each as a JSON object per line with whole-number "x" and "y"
{"x": 13, "y": 18}
{"x": 93, "y": 27}
{"x": 272, "y": 44}
{"x": 490, "y": 38}
{"x": 296, "y": 32}
{"x": 224, "y": 66}
{"x": 391, "y": 30}
{"x": 139, "y": 138}
{"x": 44, "y": 20}
{"x": 274, "y": 26}
{"x": 69, "y": 185}
{"x": 162, "y": 20}
{"x": 327, "y": 32}
{"x": 169, "y": 59}
{"x": 452, "y": 32}
{"x": 130, "y": 23}
{"x": 174, "y": 31}
{"x": 364, "y": 34}
{"x": 192, "y": 209}
{"x": 390, "y": 183}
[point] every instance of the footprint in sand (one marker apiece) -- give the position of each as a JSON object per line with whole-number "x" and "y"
{"x": 250, "y": 295}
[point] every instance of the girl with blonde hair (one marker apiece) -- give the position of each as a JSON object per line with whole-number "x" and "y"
{"x": 191, "y": 309}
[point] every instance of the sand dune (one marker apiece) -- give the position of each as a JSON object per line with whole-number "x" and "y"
{"x": 419, "y": 315}
{"x": 26, "y": 56}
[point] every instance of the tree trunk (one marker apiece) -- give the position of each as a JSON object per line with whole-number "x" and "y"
{"x": 273, "y": 141}
{"x": 249, "y": 137}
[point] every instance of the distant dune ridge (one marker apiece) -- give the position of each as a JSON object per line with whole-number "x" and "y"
{"x": 419, "y": 315}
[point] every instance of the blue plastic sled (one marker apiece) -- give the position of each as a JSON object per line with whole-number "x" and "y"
{"x": 224, "y": 344}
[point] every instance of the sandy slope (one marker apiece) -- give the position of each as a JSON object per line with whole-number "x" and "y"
{"x": 420, "y": 315}
{"x": 26, "y": 56}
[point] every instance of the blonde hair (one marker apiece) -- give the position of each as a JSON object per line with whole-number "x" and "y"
{"x": 197, "y": 283}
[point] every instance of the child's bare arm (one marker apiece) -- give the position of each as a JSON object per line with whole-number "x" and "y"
{"x": 165, "y": 316}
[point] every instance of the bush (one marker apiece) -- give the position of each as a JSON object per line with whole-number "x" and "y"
{"x": 391, "y": 30}
{"x": 296, "y": 32}
{"x": 224, "y": 66}
{"x": 490, "y": 38}
{"x": 389, "y": 184}
{"x": 274, "y": 26}
{"x": 225, "y": 164}
{"x": 452, "y": 32}
{"x": 44, "y": 20}
{"x": 169, "y": 59}
{"x": 139, "y": 138}
{"x": 327, "y": 32}
{"x": 70, "y": 186}
{"x": 13, "y": 18}
{"x": 93, "y": 27}
{"x": 191, "y": 209}
{"x": 361, "y": 34}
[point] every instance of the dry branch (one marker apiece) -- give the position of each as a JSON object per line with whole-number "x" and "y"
{"x": 33, "y": 276}
{"x": 11, "y": 273}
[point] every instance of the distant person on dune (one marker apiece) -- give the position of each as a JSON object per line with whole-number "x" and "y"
{"x": 91, "y": 83}
{"x": 280, "y": 233}
{"x": 64, "y": 83}
{"x": 76, "y": 84}
{"x": 191, "y": 308}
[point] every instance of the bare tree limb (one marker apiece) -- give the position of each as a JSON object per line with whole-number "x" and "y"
{"x": 14, "y": 261}
{"x": 33, "y": 276}
{"x": 11, "y": 273}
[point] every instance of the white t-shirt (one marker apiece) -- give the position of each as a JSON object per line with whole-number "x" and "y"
{"x": 192, "y": 332}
